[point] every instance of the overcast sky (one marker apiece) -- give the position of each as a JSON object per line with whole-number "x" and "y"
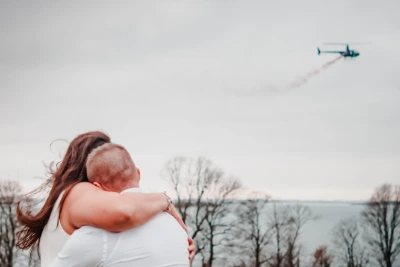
{"x": 171, "y": 78}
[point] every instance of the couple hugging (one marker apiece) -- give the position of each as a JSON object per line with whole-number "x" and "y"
{"x": 96, "y": 214}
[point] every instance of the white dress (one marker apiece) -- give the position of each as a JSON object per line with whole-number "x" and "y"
{"x": 53, "y": 237}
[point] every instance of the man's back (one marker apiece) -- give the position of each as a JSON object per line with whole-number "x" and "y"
{"x": 159, "y": 242}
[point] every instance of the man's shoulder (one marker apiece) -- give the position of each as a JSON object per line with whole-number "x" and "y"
{"x": 164, "y": 223}
{"x": 165, "y": 218}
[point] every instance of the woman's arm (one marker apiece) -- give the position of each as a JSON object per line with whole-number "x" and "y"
{"x": 89, "y": 205}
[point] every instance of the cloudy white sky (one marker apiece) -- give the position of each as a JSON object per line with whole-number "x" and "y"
{"x": 168, "y": 78}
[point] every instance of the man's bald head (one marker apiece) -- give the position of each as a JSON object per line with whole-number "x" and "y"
{"x": 112, "y": 167}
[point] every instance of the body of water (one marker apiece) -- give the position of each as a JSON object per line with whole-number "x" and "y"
{"x": 319, "y": 232}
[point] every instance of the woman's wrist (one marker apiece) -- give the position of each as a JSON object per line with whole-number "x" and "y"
{"x": 169, "y": 202}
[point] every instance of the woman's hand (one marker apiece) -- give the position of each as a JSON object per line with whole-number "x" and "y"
{"x": 192, "y": 248}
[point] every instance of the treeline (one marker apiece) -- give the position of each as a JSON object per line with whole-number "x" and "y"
{"x": 10, "y": 256}
{"x": 234, "y": 227}
{"x": 255, "y": 231}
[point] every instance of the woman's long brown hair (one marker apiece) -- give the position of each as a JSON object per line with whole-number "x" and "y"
{"x": 70, "y": 172}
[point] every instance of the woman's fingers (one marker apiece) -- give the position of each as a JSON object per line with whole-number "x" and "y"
{"x": 192, "y": 248}
{"x": 192, "y": 252}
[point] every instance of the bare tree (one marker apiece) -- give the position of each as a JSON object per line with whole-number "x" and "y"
{"x": 299, "y": 215}
{"x": 322, "y": 257}
{"x": 287, "y": 222}
{"x": 10, "y": 255}
{"x": 382, "y": 221}
{"x": 348, "y": 247}
{"x": 278, "y": 222}
{"x": 203, "y": 193}
{"x": 180, "y": 172}
{"x": 9, "y": 194}
{"x": 191, "y": 178}
{"x": 254, "y": 228}
{"x": 220, "y": 223}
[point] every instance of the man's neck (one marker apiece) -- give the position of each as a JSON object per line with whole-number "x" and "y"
{"x": 133, "y": 188}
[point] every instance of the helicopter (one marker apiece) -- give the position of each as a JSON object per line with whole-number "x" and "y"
{"x": 348, "y": 53}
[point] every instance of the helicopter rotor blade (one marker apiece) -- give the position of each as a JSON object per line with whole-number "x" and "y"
{"x": 335, "y": 43}
{"x": 359, "y": 43}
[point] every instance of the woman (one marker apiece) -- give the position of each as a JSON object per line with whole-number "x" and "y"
{"x": 74, "y": 202}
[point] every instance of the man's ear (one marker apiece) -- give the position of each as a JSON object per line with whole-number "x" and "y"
{"x": 138, "y": 172}
{"x": 96, "y": 184}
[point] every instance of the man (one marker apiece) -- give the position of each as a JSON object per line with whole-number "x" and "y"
{"x": 159, "y": 242}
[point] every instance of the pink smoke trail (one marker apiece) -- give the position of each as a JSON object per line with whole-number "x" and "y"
{"x": 303, "y": 80}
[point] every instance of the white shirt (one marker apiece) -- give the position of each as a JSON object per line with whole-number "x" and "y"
{"x": 161, "y": 242}
{"x": 53, "y": 236}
